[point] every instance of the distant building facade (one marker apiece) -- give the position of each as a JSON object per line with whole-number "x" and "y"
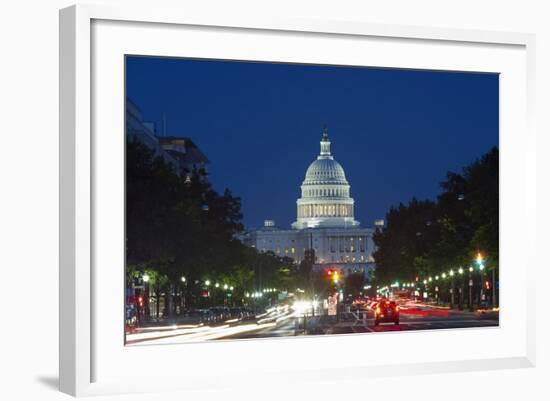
{"x": 179, "y": 151}
{"x": 325, "y": 227}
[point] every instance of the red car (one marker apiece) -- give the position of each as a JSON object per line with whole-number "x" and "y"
{"x": 386, "y": 311}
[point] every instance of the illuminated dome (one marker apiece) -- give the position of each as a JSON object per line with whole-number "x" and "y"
{"x": 325, "y": 200}
{"x": 325, "y": 171}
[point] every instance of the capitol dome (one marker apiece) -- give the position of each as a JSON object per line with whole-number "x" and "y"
{"x": 325, "y": 200}
{"x": 325, "y": 171}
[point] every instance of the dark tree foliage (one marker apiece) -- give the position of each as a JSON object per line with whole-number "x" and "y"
{"x": 354, "y": 283}
{"x": 177, "y": 227}
{"x": 425, "y": 237}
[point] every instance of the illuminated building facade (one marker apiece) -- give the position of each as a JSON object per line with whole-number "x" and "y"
{"x": 325, "y": 222}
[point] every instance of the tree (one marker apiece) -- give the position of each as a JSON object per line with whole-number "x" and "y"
{"x": 354, "y": 283}
{"x": 401, "y": 246}
{"x": 424, "y": 237}
{"x": 178, "y": 225}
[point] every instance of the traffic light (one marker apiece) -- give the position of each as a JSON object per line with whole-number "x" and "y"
{"x": 333, "y": 275}
{"x": 487, "y": 285}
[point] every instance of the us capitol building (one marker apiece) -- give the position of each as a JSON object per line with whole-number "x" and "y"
{"x": 325, "y": 223}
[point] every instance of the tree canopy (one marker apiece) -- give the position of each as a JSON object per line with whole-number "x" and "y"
{"x": 427, "y": 237}
{"x": 177, "y": 226}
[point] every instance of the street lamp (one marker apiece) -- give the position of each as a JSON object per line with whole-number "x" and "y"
{"x": 461, "y": 289}
{"x": 481, "y": 266}
{"x": 146, "y": 279}
{"x": 183, "y": 291}
{"x": 207, "y": 283}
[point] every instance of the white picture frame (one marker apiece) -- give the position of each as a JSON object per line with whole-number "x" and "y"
{"x": 90, "y": 364}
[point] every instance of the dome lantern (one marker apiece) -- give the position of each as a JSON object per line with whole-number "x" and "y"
{"x": 325, "y": 145}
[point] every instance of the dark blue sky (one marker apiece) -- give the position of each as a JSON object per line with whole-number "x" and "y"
{"x": 395, "y": 132}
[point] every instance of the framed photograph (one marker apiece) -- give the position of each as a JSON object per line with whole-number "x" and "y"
{"x": 239, "y": 196}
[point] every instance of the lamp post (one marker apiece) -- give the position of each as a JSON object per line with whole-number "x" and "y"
{"x": 470, "y": 286}
{"x": 461, "y": 289}
{"x": 452, "y": 274}
{"x": 207, "y": 285}
{"x": 146, "y": 279}
{"x": 481, "y": 266}
{"x": 183, "y": 291}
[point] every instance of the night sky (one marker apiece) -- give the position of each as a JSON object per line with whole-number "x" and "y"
{"x": 395, "y": 132}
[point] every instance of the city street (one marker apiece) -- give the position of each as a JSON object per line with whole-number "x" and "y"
{"x": 284, "y": 323}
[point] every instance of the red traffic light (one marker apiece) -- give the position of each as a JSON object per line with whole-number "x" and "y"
{"x": 140, "y": 301}
{"x": 487, "y": 285}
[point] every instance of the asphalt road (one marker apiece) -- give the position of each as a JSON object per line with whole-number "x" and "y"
{"x": 290, "y": 324}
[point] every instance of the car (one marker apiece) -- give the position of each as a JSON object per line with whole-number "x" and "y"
{"x": 386, "y": 311}
{"x": 195, "y": 316}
